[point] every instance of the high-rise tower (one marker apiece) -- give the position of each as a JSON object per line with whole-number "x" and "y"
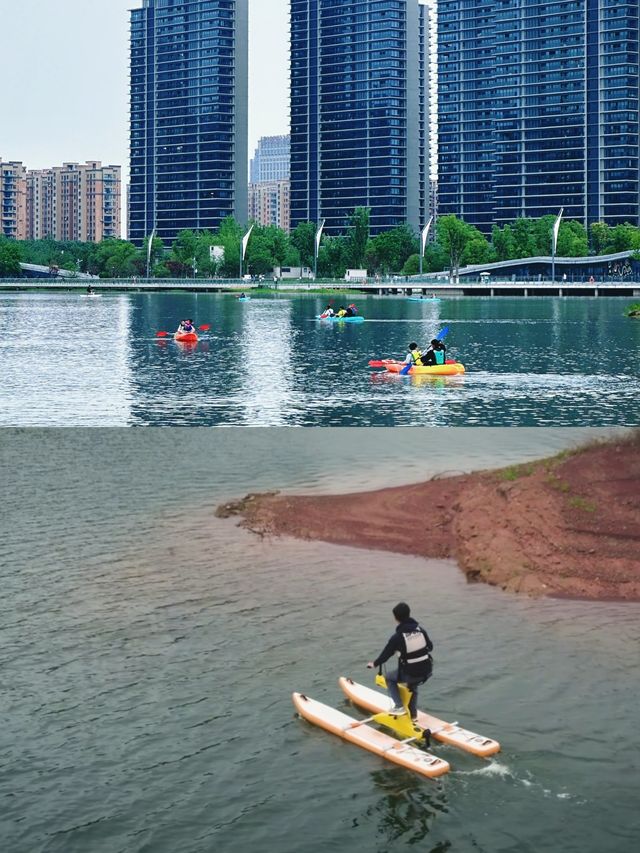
{"x": 189, "y": 91}
{"x": 538, "y": 109}
{"x": 359, "y": 111}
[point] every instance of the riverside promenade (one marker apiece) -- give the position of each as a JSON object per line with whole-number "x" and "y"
{"x": 414, "y": 288}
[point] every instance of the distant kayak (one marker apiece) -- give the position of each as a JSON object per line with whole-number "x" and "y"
{"x": 244, "y": 299}
{"x": 186, "y": 337}
{"x": 452, "y": 368}
{"x": 423, "y": 298}
{"x": 356, "y": 319}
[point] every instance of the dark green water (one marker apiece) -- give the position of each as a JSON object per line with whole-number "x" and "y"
{"x": 74, "y": 361}
{"x": 148, "y": 652}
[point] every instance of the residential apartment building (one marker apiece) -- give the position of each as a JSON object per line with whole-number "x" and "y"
{"x": 69, "y": 202}
{"x": 270, "y": 203}
{"x": 75, "y": 201}
{"x": 270, "y": 188}
{"x": 538, "y": 109}
{"x": 189, "y": 94}
{"x": 13, "y": 200}
{"x": 359, "y": 112}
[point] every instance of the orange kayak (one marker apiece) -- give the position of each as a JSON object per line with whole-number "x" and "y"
{"x": 186, "y": 337}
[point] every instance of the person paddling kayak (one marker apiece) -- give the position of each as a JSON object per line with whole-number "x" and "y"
{"x": 413, "y": 645}
{"x": 414, "y": 356}
{"x": 186, "y": 327}
{"x": 436, "y": 354}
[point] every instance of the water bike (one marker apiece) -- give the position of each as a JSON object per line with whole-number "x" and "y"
{"x": 450, "y": 368}
{"x": 412, "y": 750}
{"x": 325, "y": 319}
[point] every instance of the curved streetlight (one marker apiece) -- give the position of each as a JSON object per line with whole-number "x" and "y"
{"x": 423, "y": 240}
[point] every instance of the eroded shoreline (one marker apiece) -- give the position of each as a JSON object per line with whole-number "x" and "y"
{"x": 564, "y": 527}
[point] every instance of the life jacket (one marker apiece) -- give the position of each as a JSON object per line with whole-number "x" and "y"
{"x": 415, "y": 659}
{"x": 416, "y": 355}
{"x": 342, "y": 313}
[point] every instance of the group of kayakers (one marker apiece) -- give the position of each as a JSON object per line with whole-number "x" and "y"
{"x": 436, "y": 353}
{"x": 349, "y": 311}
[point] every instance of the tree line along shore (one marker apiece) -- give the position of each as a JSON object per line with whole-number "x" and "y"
{"x": 455, "y": 244}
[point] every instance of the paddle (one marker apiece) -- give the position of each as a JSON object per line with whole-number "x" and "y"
{"x": 442, "y": 334}
{"x": 204, "y": 328}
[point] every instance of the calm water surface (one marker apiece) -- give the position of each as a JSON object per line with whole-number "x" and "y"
{"x": 148, "y": 652}
{"x": 69, "y": 360}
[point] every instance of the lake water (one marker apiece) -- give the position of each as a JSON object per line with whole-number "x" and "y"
{"x": 69, "y": 360}
{"x": 148, "y": 652}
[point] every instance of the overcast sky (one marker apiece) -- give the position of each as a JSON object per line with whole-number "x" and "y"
{"x": 64, "y": 67}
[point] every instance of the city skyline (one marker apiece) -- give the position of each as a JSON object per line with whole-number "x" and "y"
{"x": 78, "y": 100}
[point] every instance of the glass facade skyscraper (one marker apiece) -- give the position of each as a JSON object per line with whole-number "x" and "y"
{"x": 538, "y": 109}
{"x": 359, "y": 112}
{"x": 189, "y": 93}
{"x": 272, "y": 160}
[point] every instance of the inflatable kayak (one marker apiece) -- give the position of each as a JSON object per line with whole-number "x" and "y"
{"x": 186, "y": 337}
{"x": 357, "y": 319}
{"x": 451, "y": 368}
{"x": 358, "y": 732}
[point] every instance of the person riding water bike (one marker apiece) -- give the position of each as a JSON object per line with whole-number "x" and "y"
{"x": 414, "y": 646}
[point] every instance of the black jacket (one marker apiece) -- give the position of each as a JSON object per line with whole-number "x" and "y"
{"x": 397, "y": 644}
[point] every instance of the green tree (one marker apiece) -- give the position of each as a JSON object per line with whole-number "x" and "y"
{"x": 453, "y": 236}
{"x": 503, "y": 243}
{"x": 624, "y": 237}
{"x": 600, "y": 235}
{"x": 412, "y": 265}
{"x": 332, "y": 259}
{"x": 436, "y": 258}
{"x": 10, "y": 257}
{"x": 391, "y": 249}
{"x": 117, "y": 259}
{"x": 229, "y": 235}
{"x": 524, "y": 241}
{"x": 478, "y": 250}
{"x": 303, "y": 240}
{"x": 358, "y": 237}
{"x": 572, "y": 240}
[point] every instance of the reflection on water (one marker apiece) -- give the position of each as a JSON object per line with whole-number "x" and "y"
{"x": 269, "y": 364}
{"x": 66, "y": 361}
{"x": 530, "y": 362}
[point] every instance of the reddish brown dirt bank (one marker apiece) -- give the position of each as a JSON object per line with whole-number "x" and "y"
{"x": 567, "y": 526}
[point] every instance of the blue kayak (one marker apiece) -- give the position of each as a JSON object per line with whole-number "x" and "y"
{"x": 425, "y": 299}
{"x": 356, "y": 319}
{"x": 244, "y": 299}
